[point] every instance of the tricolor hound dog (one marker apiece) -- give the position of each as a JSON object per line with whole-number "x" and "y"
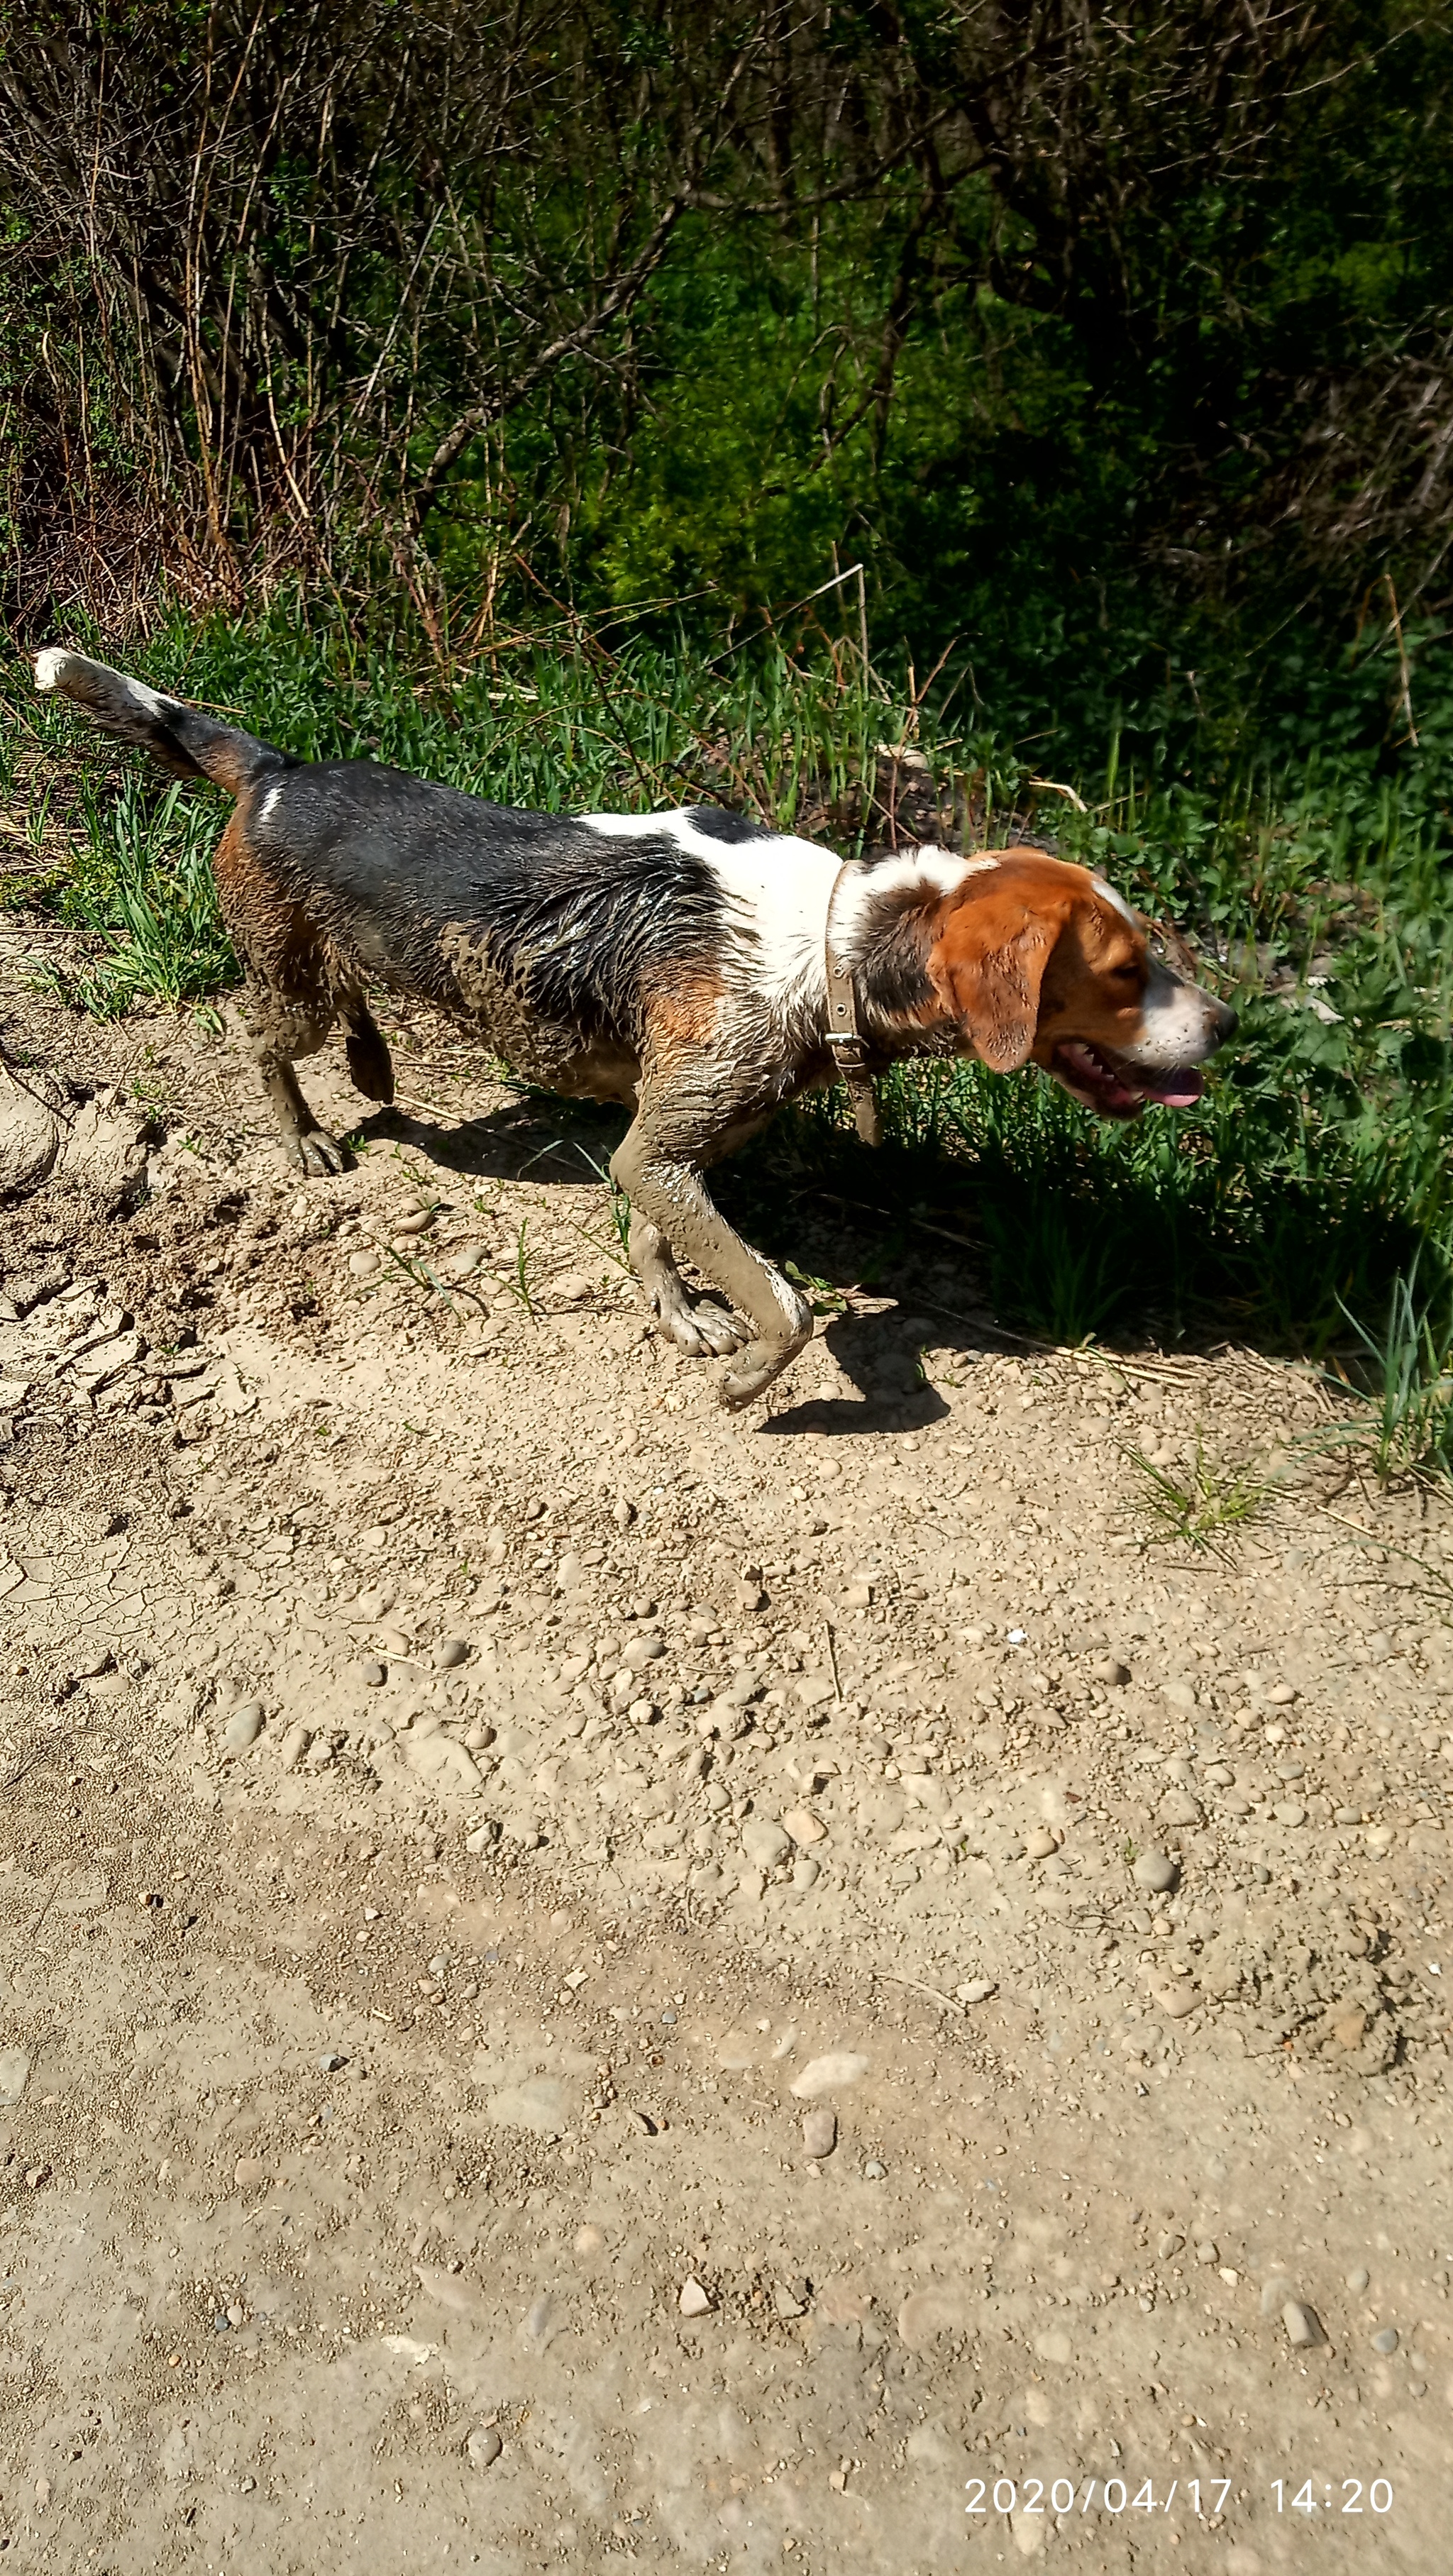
{"x": 694, "y": 965}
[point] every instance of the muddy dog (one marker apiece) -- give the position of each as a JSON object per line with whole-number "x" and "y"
{"x": 693, "y": 965}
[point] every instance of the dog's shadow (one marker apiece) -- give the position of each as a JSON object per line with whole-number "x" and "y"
{"x": 508, "y": 1143}
{"x": 893, "y": 1395}
{"x": 571, "y": 1142}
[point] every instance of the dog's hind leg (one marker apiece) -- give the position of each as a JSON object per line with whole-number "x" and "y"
{"x": 370, "y": 1066}
{"x": 706, "y": 1331}
{"x": 290, "y": 1003}
{"x": 282, "y": 1026}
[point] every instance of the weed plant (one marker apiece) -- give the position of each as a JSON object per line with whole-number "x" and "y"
{"x": 1203, "y": 1505}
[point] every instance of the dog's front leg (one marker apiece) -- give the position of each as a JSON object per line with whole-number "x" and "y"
{"x": 667, "y": 1191}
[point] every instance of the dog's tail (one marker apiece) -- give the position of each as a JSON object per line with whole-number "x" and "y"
{"x": 183, "y": 738}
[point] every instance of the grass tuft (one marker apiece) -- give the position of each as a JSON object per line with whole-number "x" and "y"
{"x": 1404, "y": 1428}
{"x": 1202, "y": 1508}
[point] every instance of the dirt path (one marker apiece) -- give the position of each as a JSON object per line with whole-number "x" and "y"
{"x": 584, "y": 1982}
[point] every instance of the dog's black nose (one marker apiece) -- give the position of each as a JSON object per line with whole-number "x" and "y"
{"x": 1224, "y": 1021}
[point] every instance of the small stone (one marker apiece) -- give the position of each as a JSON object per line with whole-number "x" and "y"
{"x": 785, "y": 2302}
{"x": 295, "y": 1744}
{"x": 320, "y": 1753}
{"x": 589, "y": 2240}
{"x": 483, "y": 2447}
{"x": 805, "y": 1875}
{"x": 1178, "y": 2000}
{"x": 1109, "y": 1670}
{"x": 1168, "y": 2244}
{"x": 1181, "y": 1695}
{"x": 643, "y": 1651}
{"x": 332, "y": 2061}
{"x": 1040, "y": 1843}
{"x": 804, "y": 1827}
{"x": 858, "y": 1596}
{"x": 1350, "y": 2027}
{"x": 364, "y": 1264}
{"x": 443, "y": 1763}
{"x": 449, "y": 1653}
{"x": 243, "y": 1727}
{"x": 1155, "y": 1870}
{"x": 482, "y": 1840}
{"x": 814, "y": 1689}
{"x": 1357, "y": 2281}
{"x": 574, "y": 1288}
{"x": 765, "y": 1844}
{"x": 394, "y": 1641}
{"x": 14, "y": 2075}
{"x": 1385, "y": 2339}
{"x": 1207, "y": 2251}
{"x": 829, "y": 2074}
{"x": 975, "y": 1990}
{"x": 543, "y": 2104}
{"x": 1178, "y": 1807}
{"x": 1275, "y": 2292}
{"x": 371, "y": 1671}
{"x": 743, "y": 1688}
{"x": 1281, "y": 1694}
{"x": 1303, "y": 2325}
{"x": 819, "y": 2132}
{"x": 873, "y": 2171}
{"x": 1287, "y": 1812}
{"x": 693, "y": 2300}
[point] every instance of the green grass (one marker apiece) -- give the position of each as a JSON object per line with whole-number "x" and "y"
{"x": 1309, "y": 1188}
{"x": 1201, "y": 1507}
{"x": 1402, "y": 1390}
{"x": 141, "y": 884}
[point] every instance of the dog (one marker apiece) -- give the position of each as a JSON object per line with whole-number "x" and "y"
{"x": 695, "y": 966}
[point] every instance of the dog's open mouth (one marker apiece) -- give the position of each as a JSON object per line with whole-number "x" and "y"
{"x": 1118, "y": 1090}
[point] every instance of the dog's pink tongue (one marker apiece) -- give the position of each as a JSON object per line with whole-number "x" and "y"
{"x": 1178, "y": 1090}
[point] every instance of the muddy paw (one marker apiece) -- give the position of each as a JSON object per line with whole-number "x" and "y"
{"x": 722, "y": 1332}
{"x": 317, "y": 1153}
{"x": 707, "y": 1332}
{"x": 702, "y": 1330}
{"x": 759, "y": 1363}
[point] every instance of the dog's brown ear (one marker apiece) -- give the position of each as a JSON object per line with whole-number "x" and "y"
{"x": 988, "y": 964}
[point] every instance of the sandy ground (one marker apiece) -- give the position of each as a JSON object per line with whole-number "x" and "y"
{"x": 586, "y": 1981}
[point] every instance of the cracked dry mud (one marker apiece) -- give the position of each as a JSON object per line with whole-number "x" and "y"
{"x": 583, "y": 1982}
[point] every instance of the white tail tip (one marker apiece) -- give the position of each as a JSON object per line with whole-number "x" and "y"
{"x": 48, "y": 667}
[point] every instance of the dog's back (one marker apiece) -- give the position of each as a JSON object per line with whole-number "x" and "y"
{"x": 550, "y": 934}
{"x": 447, "y": 896}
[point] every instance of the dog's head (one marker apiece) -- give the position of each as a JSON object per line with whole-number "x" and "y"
{"x": 1042, "y": 963}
